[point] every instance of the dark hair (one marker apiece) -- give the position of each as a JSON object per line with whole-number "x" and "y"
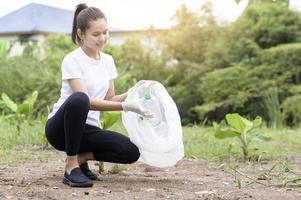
{"x": 83, "y": 15}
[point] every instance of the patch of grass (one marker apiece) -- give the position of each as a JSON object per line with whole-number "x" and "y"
{"x": 201, "y": 143}
{"x": 17, "y": 147}
{"x": 32, "y": 132}
{"x": 284, "y": 143}
{"x": 14, "y": 157}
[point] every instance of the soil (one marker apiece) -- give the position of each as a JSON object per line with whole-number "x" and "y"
{"x": 189, "y": 179}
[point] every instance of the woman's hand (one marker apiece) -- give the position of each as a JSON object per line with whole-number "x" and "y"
{"x": 136, "y": 106}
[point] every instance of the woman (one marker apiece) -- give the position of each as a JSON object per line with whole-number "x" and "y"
{"x": 87, "y": 88}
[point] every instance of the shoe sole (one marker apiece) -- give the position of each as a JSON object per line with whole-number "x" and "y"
{"x": 70, "y": 183}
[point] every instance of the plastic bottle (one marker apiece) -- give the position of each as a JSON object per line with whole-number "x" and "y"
{"x": 152, "y": 104}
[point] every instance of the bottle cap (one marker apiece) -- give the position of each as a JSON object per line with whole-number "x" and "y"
{"x": 147, "y": 96}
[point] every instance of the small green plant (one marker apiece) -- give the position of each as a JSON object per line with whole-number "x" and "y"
{"x": 108, "y": 119}
{"x": 20, "y": 112}
{"x": 241, "y": 128}
{"x": 279, "y": 174}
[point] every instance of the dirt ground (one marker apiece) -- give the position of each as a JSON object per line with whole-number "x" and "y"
{"x": 189, "y": 179}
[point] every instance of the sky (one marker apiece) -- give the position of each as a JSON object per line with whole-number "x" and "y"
{"x": 141, "y": 14}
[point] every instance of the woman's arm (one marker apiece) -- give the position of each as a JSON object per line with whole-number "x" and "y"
{"x": 77, "y": 85}
{"x": 110, "y": 96}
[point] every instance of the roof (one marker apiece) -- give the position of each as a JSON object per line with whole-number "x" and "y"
{"x": 38, "y": 18}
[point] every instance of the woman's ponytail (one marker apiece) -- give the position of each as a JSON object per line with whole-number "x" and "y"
{"x": 78, "y": 9}
{"x": 83, "y": 15}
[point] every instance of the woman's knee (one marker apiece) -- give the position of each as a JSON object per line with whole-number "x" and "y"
{"x": 133, "y": 154}
{"x": 56, "y": 142}
{"x": 79, "y": 101}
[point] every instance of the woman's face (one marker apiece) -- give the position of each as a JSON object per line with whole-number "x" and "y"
{"x": 96, "y": 35}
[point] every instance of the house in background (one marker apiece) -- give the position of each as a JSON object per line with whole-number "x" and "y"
{"x": 31, "y": 23}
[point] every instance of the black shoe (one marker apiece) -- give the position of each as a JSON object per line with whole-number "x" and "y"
{"x": 76, "y": 178}
{"x": 88, "y": 173}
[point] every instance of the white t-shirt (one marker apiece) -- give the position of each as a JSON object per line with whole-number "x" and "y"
{"x": 96, "y": 74}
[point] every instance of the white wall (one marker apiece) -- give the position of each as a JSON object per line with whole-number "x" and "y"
{"x": 17, "y": 47}
{"x": 295, "y": 4}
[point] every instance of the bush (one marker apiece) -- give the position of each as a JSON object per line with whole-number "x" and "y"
{"x": 242, "y": 88}
{"x": 268, "y": 25}
{"x": 21, "y": 75}
{"x": 287, "y": 55}
{"x": 125, "y": 79}
{"x": 143, "y": 62}
{"x": 219, "y": 84}
{"x": 261, "y": 26}
{"x": 292, "y": 110}
{"x": 36, "y": 71}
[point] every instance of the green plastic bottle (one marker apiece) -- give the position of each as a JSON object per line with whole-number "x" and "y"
{"x": 152, "y": 105}
{"x": 147, "y": 96}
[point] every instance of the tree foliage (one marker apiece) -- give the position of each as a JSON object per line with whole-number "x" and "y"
{"x": 209, "y": 69}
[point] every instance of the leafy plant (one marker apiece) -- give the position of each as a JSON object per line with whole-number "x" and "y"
{"x": 241, "y": 128}
{"x": 18, "y": 112}
{"x": 108, "y": 119}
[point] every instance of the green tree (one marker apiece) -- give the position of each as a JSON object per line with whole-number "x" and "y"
{"x": 191, "y": 35}
{"x": 143, "y": 62}
{"x": 250, "y": 2}
{"x": 186, "y": 44}
{"x": 261, "y": 26}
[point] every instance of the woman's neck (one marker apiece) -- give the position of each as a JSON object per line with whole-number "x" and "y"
{"x": 91, "y": 53}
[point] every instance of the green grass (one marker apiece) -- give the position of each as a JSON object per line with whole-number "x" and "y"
{"x": 285, "y": 143}
{"x": 18, "y": 147}
{"x": 15, "y": 156}
{"x": 198, "y": 142}
{"x": 201, "y": 143}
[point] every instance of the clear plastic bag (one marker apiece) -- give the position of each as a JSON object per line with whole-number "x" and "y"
{"x": 159, "y": 139}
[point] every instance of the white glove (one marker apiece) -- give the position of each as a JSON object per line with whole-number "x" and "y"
{"x": 136, "y": 106}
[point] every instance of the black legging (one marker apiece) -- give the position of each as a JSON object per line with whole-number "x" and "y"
{"x": 67, "y": 131}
